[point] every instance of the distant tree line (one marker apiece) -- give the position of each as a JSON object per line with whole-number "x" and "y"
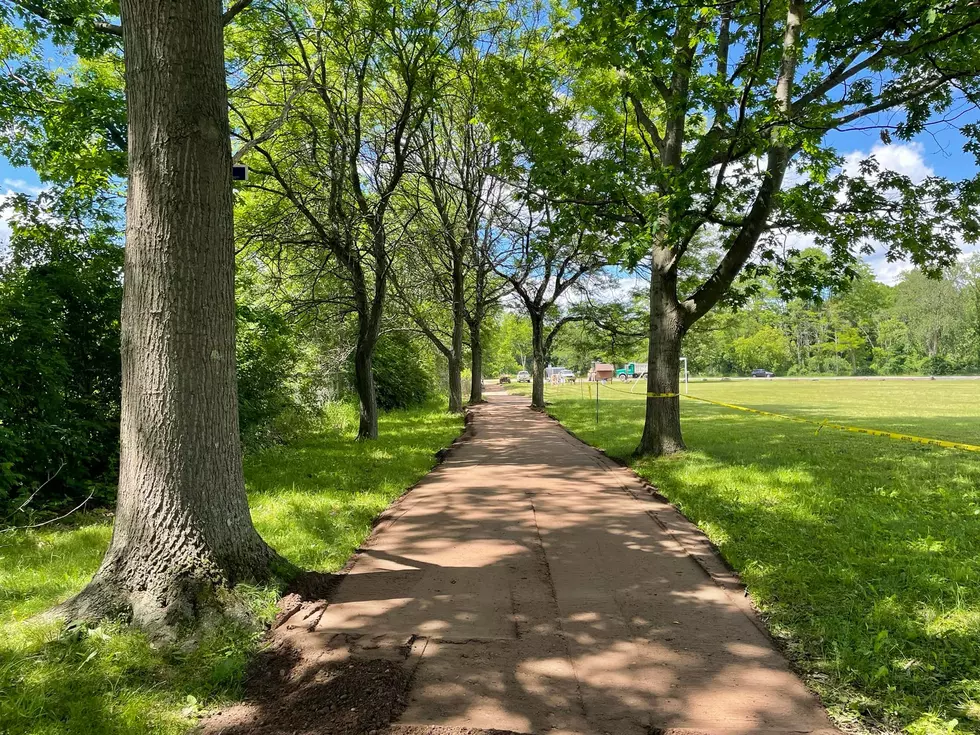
{"x": 919, "y": 326}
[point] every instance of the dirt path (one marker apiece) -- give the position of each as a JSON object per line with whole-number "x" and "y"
{"x": 528, "y": 585}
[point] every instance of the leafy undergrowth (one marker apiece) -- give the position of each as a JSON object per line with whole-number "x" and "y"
{"x": 862, "y": 552}
{"x": 313, "y": 500}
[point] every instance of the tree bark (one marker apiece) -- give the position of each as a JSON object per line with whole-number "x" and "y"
{"x": 459, "y": 326}
{"x": 455, "y": 384}
{"x": 182, "y": 526}
{"x": 476, "y": 362}
{"x": 538, "y": 361}
{"x": 364, "y": 386}
{"x": 662, "y": 427}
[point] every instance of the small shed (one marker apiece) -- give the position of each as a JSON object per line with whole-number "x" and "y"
{"x": 602, "y": 371}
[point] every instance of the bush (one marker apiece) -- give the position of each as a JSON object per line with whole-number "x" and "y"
{"x": 60, "y": 297}
{"x": 767, "y": 348}
{"x": 60, "y": 375}
{"x": 401, "y": 379}
{"x": 268, "y": 411}
{"x": 936, "y": 365}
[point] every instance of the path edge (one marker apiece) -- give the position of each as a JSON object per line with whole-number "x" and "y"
{"x": 298, "y": 596}
{"x": 706, "y": 555}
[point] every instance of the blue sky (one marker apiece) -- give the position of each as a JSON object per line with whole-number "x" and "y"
{"x": 18, "y": 179}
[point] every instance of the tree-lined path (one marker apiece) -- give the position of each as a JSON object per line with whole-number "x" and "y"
{"x": 530, "y": 585}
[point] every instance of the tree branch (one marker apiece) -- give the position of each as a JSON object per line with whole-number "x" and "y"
{"x": 229, "y": 15}
{"x": 38, "y": 9}
{"x": 648, "y": 125}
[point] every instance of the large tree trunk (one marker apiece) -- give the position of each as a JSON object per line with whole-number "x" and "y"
{"x": 538, "y": 361}
{"x": 182, "y": 526}
{"x": 364, "y": 385}
{"x": 476, "y": 362}
{"x": 662, "y": 426}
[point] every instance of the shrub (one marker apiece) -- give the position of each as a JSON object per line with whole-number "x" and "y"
{"x": 936, "y": 365}
{"x": 268, "y": 411}
{"x": 400, "y": 377}
{"x": 60, "y": 297}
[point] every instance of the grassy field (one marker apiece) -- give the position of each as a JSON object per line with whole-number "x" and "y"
{"x": 862, "y": 552}
{"x": 313, "y": 500}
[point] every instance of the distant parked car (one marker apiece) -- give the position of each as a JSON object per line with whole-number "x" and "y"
{"x": 568, "y": 376}
{"x": 760, "y": 373}
{"x": 504, "y": 379}
{"x": 524, "y": 377}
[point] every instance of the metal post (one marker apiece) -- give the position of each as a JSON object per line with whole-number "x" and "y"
{"x": 597, "y": 401}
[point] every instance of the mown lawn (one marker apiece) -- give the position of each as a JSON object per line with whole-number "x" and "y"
{"x": 313, "y": 500}
{"x": 862, "y": 552}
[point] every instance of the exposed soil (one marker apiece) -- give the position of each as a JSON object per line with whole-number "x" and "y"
{"x": 288, "y": 696}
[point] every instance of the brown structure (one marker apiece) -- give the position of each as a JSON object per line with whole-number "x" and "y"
{"x": 602, "y": 371}
{"x": 182, "y": 524}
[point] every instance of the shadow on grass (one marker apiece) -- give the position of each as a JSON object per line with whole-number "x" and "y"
{"x": 314, "y": 500}
{"x": 861, "y": 551}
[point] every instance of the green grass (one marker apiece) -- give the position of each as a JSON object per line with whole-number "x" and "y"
{"x": 313, "y": 500}
{"x": 862, "y": 552}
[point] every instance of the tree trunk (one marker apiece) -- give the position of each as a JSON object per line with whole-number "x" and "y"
{"x": 459, "y": 325}
{"x": 662, "y": 426}
{"x": 476, "y": 362}
{"x": 538, "y": 360}
{"x": 455, "y": 384}
{"x": 364, "y": 385}
{"x": 182, "y": 525}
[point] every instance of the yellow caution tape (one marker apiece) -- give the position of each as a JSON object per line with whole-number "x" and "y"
{"x": 648, "y": 395}
{"x": 825, "y": 424}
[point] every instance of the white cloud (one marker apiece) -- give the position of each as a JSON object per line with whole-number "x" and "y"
{"x": 21, "y": 186}
{"x": 902, "y": 158}
{"x": 14, "y": 187}
{"x": 619, "y": 286}
{"x": 4, "y": 225}
{"x": 885, "y": 271}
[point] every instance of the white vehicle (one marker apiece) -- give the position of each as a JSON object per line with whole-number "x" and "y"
{"x": 524, "y": 377}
